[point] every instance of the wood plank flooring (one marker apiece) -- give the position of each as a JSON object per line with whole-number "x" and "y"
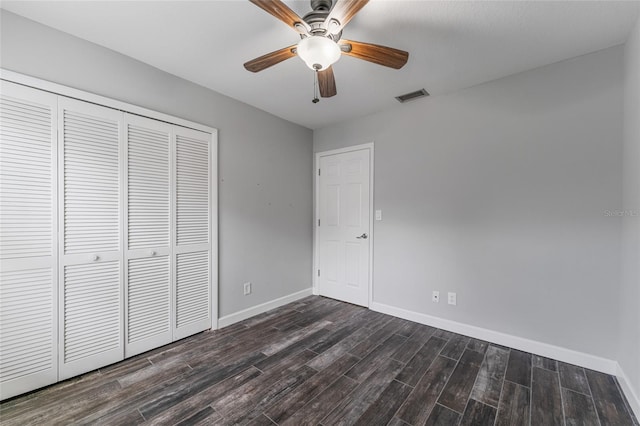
{"x": 323, "y": 362}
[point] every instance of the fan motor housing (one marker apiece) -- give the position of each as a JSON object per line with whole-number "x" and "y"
{"x": 317, "y": 17}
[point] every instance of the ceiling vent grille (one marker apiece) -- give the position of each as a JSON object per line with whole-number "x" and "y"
{"x": 413, "y": 95}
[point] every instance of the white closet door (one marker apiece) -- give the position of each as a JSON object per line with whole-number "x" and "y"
{"x": 148, "y": 235}
{"x": 192, "y": 251}
{"x": 91, "y": 273}
{"x": 28, "y": 264}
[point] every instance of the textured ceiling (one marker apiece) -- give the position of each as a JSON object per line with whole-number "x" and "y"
{"x": 452, "y": 45}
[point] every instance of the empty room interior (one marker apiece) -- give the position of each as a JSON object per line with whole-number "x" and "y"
{"x": 325, "y": 212}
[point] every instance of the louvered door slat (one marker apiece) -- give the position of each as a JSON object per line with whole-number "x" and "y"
{"x": 149, "y": 298}
{"x": 148, "y": 186}
{"x": 148, "y": 277}
{"x": 22, "y": 335}
{"x": 192, "y": 187}
{"x": 193, "y": 288}
{"x": 192, "y": 236}
{"x": 91, "y": 182}
{"x": 25, "y": 168}
{"x": 28, "y": 249}
{"x": 91, "y": 321}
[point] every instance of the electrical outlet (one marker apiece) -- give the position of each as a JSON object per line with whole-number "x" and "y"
{"x": 452, "y": 298}
{"x": 247, "y": 288}
{"x": 435, "y": 297}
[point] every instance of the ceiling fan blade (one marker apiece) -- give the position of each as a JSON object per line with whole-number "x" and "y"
{"x": 281, "y": 11}
{"x": 343, "y": 11}
{"x": 327, "y": 83}
{"x": 270, "y": 59}
{"x": 381, "y": 55}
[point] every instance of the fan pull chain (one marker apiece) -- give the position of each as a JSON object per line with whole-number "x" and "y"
{"x": 315, "y": 99}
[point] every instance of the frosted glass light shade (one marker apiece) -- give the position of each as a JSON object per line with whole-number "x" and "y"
{"x": 318, "y": 52}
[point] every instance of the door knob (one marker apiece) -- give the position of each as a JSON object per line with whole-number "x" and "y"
{"x": 153, "y": 253}
{"x": 363, "y": 236}
{"x": 95, "y": 257}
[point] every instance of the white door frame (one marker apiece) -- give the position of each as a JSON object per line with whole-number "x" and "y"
{"x": 316, "y": 213}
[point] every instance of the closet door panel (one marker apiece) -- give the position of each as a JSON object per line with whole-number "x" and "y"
{"x": 92, "y": 312}
{"x": 193, "y": 231}
{"x": 193, "y": 288}
{"x": 148, "y": 234}
{"x": 91, "y": 248}
{"x": 28, "y": 249}
{"x": 149, "y": 304}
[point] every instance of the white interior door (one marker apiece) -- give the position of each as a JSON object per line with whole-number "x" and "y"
{"x": 344, "y": 228}
{"x": 28, "y": 250}
{"x": 148, "y": 304}
{"x": 90, "y": 247}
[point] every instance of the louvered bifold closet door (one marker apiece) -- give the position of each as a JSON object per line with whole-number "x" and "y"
{"x": 148, "y": 234}
{"x": 28, "y": 264}
{"x": 91, "y": 324}
{"x": 192, "y": 251}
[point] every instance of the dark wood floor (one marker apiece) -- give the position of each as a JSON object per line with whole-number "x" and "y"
{"x": 319, "y": 361}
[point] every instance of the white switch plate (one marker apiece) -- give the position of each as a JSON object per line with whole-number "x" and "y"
{"x": 378, "y": 214}
{"x": 452, "y": 298}
{"x": 435, "y": 296}
{"x": 247, "y": 288}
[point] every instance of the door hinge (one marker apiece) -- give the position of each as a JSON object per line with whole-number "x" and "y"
{"x": 318, "y": 272}
{"x": 318, "y": 222}
{"x": 318, "y": 172}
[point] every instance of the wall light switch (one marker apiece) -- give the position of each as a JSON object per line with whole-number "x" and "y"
{"x": 378, "y": 214}
{"x": 452, "y": 299}
{"x": 247, "y": 288}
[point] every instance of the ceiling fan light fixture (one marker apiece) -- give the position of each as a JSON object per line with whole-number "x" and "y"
{"x": 318, "y": 52}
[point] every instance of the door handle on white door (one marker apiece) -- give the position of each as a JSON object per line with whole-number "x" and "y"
{"x": 363, "y": 236}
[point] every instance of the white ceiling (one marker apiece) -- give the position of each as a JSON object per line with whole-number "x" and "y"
{"x": 452, "y": 45}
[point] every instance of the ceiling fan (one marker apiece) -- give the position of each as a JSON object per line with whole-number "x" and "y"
{"x": 321, "y": 43}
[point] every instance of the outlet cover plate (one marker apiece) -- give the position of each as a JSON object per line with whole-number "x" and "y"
{"x": 452, "y": 298}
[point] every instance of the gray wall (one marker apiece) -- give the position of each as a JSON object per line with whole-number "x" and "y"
{"x": 498, "y": 193}
{"x": 265, "y": 163}
{"x": 629, "y": 356}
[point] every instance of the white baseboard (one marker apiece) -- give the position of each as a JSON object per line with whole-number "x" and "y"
{"x": 630, "y": 393}
{"x": 263, "y": 307}
{"x": 543, "y": 349}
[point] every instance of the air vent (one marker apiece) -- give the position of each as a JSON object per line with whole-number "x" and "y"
{"x": 413, "y": 95}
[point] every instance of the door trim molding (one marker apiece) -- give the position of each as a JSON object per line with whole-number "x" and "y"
{"x": 81, "y": 95}
{"x": 316, "y": 205}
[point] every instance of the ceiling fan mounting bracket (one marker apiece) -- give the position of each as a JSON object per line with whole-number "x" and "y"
{"x": 321, "y": 5}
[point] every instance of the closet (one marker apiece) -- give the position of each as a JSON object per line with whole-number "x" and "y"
{"x": 106, "y": 235}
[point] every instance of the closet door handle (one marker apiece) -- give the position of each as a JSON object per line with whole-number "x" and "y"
{"x": 363, "y": 237}
{"x": 95, "y": 257}
{"x": 153, "y": 253}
